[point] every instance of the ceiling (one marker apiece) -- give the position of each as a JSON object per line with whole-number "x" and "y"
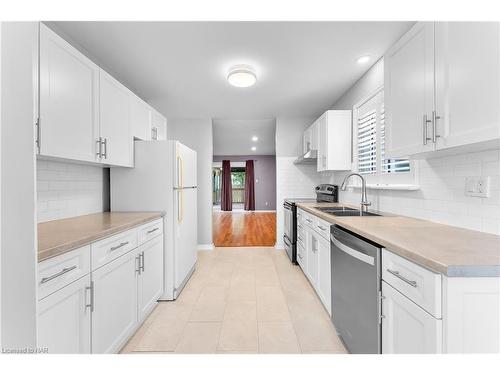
{"x": 234, "y": 137}
{"x": 181, "y": 67}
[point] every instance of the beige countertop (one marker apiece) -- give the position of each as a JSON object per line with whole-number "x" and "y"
{"x": 449, "y": 250}
{"x": 60, "y": 236}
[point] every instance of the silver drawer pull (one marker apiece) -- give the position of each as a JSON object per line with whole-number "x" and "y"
{"x": 118, "y": 246}
{"x": 398, "y": 275}
{"x": 321, "y": 227}
{"x": 152, "y": 230}
{"x": 309, "y": 220}
{"x": 60, "y": 273}
{"x": 300, "y": 256}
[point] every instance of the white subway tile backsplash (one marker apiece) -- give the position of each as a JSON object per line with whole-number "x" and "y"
{"x": 441, "y": 197}
{"x": 67, "y": 190}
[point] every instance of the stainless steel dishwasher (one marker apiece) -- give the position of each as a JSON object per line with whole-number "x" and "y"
{"x": 356, "y": 315}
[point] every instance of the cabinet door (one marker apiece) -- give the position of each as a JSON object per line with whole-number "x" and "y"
{"x": 63, "y": 322}
{"x": 467, "y": 82}
{"x": 158, "y": 126}
{"x": 409, "y": 92}
{"x": 69, "y": 100}
{"x": 407, "y": 328}
{"x": 307, "y": 140}
{"x": 140, "y": 118}
{"x": 115, "y": 121}
{"x": 312, "y": 259}
{"x": 314, "y": 136}
{"x": 322, "y": 126}
{"x": 324, "y": 273}
{"x": 115, "y": 303}
{"x": 150, "y": 281}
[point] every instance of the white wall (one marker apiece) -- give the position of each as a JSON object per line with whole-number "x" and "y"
{"x": 441, "y": 196}
{"x": 197, "y": 135}
{"x": 292, "y": 181}
{"x": 18, "y": 227}
{"x": 68, "y": 190}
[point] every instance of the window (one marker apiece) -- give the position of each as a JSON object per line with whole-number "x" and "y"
{"x": 369, "y": 145}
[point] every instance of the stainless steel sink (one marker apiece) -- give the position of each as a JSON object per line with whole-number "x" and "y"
{"x": 353, "y": 213}
{"x": 335, "y": 209}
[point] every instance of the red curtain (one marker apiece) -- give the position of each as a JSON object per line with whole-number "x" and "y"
{"x": 249, "y": 186}
{"x": 226, "y": 203}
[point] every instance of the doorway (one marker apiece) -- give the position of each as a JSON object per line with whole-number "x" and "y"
{"x": 240, "y": 227}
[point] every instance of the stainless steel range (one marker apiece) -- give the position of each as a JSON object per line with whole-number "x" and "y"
{"x": 324, "y": 193}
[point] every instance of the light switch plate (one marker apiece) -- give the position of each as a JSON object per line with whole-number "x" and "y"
{"x": 477, "y": 186}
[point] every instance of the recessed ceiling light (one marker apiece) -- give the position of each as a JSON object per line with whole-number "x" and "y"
{"x": 241, "y": 76}
{"x": 254, "y": 148}
{"x": 255, "y": 138}
{"x": 363, "y": 59}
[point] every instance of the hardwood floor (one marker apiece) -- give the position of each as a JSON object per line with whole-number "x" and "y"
{"x": 240, "y": 228}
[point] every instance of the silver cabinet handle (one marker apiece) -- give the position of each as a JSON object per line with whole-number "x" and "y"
{"x": 118, "y": 246}
{"x": 309, "y": 220}
{"x": 138, "y": 259}
{"x": 99, "y": 148}
{"x": 91, "y": 304}
{"x": 60, "y": 273}
{"x": 300, "y": 256}
{"x": 321, "y": 227}
{"x": 424, "y": 123}
{"x": 399, "y": 276}
{"x": 105, "y": 143}
{"x": 141, "y": 263}
{"x": 435, "y": 117}
{"x": 152, "y": 230}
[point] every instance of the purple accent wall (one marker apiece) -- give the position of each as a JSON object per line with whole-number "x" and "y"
{"x": 265, "y": 178}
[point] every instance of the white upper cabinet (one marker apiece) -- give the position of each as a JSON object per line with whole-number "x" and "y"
{"x": 117, "y": 140}
{"x": 334, "y": 141}
{"x": 158, "y": 126}
{"x": 442, "y": 88}
{"x": 467, "y": 82}
{"x": 409, "y": 92}
{"x": 69, "y": 100}
{"x": 140, "y": 118}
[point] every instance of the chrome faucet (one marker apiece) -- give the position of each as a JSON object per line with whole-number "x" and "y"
{"x": 364, "y": 199}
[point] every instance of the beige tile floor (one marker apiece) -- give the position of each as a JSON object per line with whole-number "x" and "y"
{"x": 240, "y": 300}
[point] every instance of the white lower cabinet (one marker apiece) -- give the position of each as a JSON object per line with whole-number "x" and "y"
{"x": 101, "y": 310}
{"x": 150, "y": 280}
{"x": 324, "y": 274}
{"x": 114, "y": 315}
{"x": 64, "y": 322}
{"x": 313, "y": 256}
{"x": 406, "y": 327}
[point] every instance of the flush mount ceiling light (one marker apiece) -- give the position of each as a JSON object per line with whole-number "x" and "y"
{"x": 241, "y": 76}
{"x": 254, "y": 148}
{"x": 255, "y": 138}
{"x": 363, "y": 59}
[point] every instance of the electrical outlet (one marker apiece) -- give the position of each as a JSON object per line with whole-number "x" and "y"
{"x": 477, "y": 186}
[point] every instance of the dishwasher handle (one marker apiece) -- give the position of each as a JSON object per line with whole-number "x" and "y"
{"x": 352, "y": 252}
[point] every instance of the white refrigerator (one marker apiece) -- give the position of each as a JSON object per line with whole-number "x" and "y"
{"x": 163, "y": 179}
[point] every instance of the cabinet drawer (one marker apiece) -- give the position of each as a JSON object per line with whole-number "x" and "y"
{"x": 309, "y": 220}
{"x": 111, "y": 248}
{"x": 149, "y": 231}
{"x": 322, "y": 227}
{"x": 415, "y": 282}
{"x": 301, "y": 256}
{"x": 55, "y": 273}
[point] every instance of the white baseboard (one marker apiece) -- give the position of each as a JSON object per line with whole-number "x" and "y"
{"x": 205, "y": 247}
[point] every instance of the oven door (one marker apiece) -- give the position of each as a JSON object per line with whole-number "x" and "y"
{"x": 288, "y": 222}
